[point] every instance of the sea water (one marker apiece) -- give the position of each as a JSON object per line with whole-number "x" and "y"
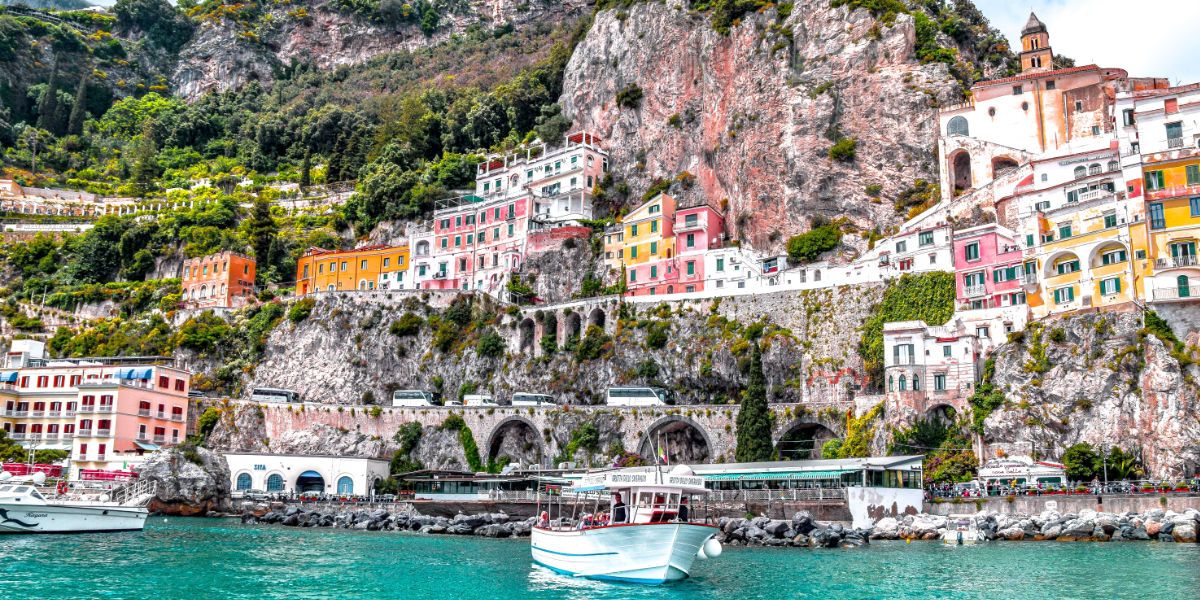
{"x": 205, "y": 558}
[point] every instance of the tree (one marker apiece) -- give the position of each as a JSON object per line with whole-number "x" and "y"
{"x": 48, "y": 105}
{"x": 1081, "y": 461}
{"x": 807, "y": 246}
{"x": 144, "y": 167}
{"x": 754, "y": 419}
{"x": 262, "y": 234}
{"x": 490, "y": 345}
{"x": 78, "y": 108}
{"x": 306, "y": 169}
{"x": 162, "y": 23}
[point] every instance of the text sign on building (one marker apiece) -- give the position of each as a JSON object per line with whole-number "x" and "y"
{"x": 260, "y": 467}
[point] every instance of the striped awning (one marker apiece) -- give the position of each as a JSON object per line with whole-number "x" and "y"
{"x": 777, "y": 475}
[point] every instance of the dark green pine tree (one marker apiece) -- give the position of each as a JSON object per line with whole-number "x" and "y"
{"x": 262, "y": 234}
{"x": 306, "y": 170}
{"x": 78, "y": 109}
{"x": 754, "y": 419}
{"x": 48, "y": 104}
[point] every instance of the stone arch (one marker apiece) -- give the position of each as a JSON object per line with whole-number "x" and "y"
{"x": 803, "y": 439}
{"x": 684, "y": 440}
{"x": 1002, "y": 165}
{"x": 310, "y": 480}
{"x": 1080, "y": 172}
{"x": 597, "y": 317}
{"x": 550, "y": 327}
{"x": 960, "y": 171}
{"x": 274, "y": 483}
{"x": 244, "y": 481}
{"x": 516, "y": 431}
{"x": 941, "y": 412}
{"x": 1052, "y": 261}
{"x": 1096, "y": 258}
{"x": 345, "y": 485}
{"x": 527, "y": 330}
{"x": 573, "y": 326}
{"x": 958, "y": 126}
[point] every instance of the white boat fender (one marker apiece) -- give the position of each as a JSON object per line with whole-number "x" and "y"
{"x": 711, "y": 548}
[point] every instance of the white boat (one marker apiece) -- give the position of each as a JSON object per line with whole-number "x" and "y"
{"x": 26, "y": 509}
{"x": 645, "y": 541}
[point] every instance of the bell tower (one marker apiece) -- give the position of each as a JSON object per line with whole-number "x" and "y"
{"x": 1035, "y": 46}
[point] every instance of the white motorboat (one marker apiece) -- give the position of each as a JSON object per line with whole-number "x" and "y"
{"x": 26, "y": 509}
{"x": 649, "y": 540}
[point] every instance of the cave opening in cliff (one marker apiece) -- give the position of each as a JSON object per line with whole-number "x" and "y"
{"x": 960, "y": 171}
{"x": 1002, "y": 165}
{"x": 804, "y": 441}
{"x": 527, "y": 331}
{"x": 596, "y": 317}
{"x": 682, "y": 440}
{"x": 515, "y": 440}
{"x": 941, "y": 413}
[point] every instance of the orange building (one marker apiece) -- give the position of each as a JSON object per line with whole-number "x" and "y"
{"x": 222, "y": 280}
{"x": 366, "y": 268}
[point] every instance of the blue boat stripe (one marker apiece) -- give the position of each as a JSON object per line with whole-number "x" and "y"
{"x": 569, "y": 554}
{"x": 602, "y": 577}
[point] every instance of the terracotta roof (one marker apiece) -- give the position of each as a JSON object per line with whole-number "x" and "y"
{"x": 1033, "y": 25}
{"x": 1036, "y": 75}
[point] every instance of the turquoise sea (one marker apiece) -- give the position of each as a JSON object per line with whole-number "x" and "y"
{"x": 201, "y": 558}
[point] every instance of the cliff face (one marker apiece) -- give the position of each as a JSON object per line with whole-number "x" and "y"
{"x": 752, "y": 115}
{"x": 1102, "y": 383}
{"x": 221, "y": 56}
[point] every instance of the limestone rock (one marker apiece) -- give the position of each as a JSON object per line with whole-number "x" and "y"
{"x": 191, "y": 481}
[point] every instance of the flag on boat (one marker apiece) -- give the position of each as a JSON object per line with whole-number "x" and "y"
{"x": 662, "y": 455}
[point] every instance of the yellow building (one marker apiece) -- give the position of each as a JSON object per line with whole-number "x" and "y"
{"x": 1172, "y": 191}
{"x": 365, "y": 268}
{"x": 643, "y": 245}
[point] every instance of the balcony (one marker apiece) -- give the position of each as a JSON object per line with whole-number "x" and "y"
{"x": 974, "y": 291}
{"x": 87, "y": 408}
{"x": 37, "y": 413}
{"x": 1175, "y": 191}
{"x": 1028, "y": 278}
{"x": 142, "y": 437}
{"x": 68, "y": 413}
{"x": 1173, "y": 143}
{"x": 177, "y": 417}
{"x": 18, "y": 436}
{"x": 1177, "y": 293}
{"x": 143, "y": 412}
{"x": 160, "y": 439}
{"x": 82, "y": 432}
{"x": 103, "y": 433}
{"x": 685, "y": 226}
{"x": 104, "y": 408}
{"x": 33, "y": 437}
{"x": 161, "y": 415}
{"x": 18, "y": 413}
{"x": 66, "y": 436}
{"x": 1175, "y": 262}
{"x": 53, "y": 413}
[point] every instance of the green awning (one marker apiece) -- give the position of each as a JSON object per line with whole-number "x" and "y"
{"x": 777, "y": 475}
{"x": 146, "y": 446}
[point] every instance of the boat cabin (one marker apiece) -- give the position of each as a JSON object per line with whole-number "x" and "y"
{"x": 26, "y": 494}
{"x": 637, "y": 496}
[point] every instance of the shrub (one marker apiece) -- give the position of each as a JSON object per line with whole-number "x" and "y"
{"x": 490, "y": 345}
{"x": 301, "y": 309}
{"x": 807, "y": 246}
{"x": 203, "y": 332}
{"x": 656, "y": 335}
{"x": 647, "y": 369}
{"x": 409, "y": 324}
{"x": 207, "y": 422}
{"x": 593, "y": 345}
{"x": 844, "y": 150}
{"x": 630, "y": 96}
{"x": 1058, "y": 335}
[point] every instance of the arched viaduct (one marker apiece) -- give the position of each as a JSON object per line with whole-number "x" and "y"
{"x": 699, "y": 433}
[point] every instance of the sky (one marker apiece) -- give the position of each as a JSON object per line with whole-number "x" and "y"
{"x": 1146, "y": 37}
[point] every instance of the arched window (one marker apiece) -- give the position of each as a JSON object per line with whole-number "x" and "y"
{"x": 1094, "y": 169}
{"x": 1185, "y": 287}
{"x": 243, "y": 481}
{"x": 958, "y": 126}
{"x": 345, "y": 485}
{"x": 1080, "y": 172}
{"x": 891, "y": 384}
{"x": 903, "y": 384}
{"x": 275, "y": 483}
{"x": 916, "y": 383}
{"x": 1112, "y": 165}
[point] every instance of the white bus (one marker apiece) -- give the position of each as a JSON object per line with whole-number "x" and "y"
{"x": 479, "y": 400}
{"x": 273, "y": 395}
{"x": 527, "y": 399}
{"x": 412, "y": 398}
{"x": 636, "y": 396}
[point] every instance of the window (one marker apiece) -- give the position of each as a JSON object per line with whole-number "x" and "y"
{"x": 1194, "y": 203}
{"x": 1113, "y": 257}
{"x": 1029, "y": 240}
{"x": 1066, "y": 266}
{"x": 720, "y": 264}
{"x": 1080, "y": 172}
{"x": 482, "y": 236}
{"x": 632, "y": 276}
{"x": 653, "y": 247}
{"x": 164, "y": 382}
{"x": 903, "y": 384}
{"x": 243, "y": 481}
{"x": 345, "y": 485}
{"x": 957, "y": 126}
{"x": 1174, "y": 131}
{"x": 633, "y": 252}
{"x": 1111, "y": 286}
{"x": 1154, "y": 180}
{"x": 916, "y": 382}
{"x": 1183, "y": 286}
{"x": 653, "y": 271}
{"x": 275, "y": 483}
{"x": 691, "y": 238}
{"x": 1095, "y": 130}
{"x": 926, "y": 238}
{"x": 939, "y": 382}
{"x": 1157, "y": 220}
{"x": 362, "y": 264}
{"x": 654, "y": 209}
{"x": 470, "y": 239}
{"x": 495, "y": 233}
{"x": 458, "y": 220}
{"x": 633, "y": 230}
{"x": 891, "y": 384}
{"x": 1064, "y": 231}
{"x": 902, "y": 354}
{"x": 972, "y": 251}
{"x": 1016, "y": 298}
{"x": 510, "y": 230}
{"x": 344, "y": 265}
{"x": 1094, "y": 169}
{"x": 901, "y": 247}
{"x": 1127, "y": 117}
{"x": 1078, "y": 105}
{"x": 1050, "y": 85}
{"x": 1064, "y": 295}
{"x": 946, "y": 351}
{"x": 691, "y": 268}
{"x": 1110, "y": 220}
{"x": 457, "y": 240}
{"x": 179, "y": 385}
{"x": 445, "y": 242}
{"x": 654, "y": 226}
{"x": 1017, "y": 90}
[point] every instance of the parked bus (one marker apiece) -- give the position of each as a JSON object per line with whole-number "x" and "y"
{"x": 636, "y": 396}
{"x": 527, "y": 399}
{"x": 273, "y": 395}
{"x": 412, "y": 398}
{"x": 479, "y": 400}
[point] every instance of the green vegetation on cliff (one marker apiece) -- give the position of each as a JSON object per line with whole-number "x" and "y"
{"x": 754, "y": 418}
{"x": 927, "y": 297}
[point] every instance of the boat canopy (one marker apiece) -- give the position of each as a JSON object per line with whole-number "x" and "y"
{"x": 778, "y": 475}
{"x": 681, "y": 477}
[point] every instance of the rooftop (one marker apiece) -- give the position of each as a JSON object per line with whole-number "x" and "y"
{"x": 1033, "y": 25}
{"x": 1036, "y": 75}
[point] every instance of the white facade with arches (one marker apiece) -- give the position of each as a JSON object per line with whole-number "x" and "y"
{"x": 295, "y": 473}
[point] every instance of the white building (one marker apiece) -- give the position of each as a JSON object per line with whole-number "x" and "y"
{"x": 295, "y": 473}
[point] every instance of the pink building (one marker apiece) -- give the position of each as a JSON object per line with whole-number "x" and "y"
{"x": 661, "y": 247}
{"x": 475, "y": 243}
{"x": 106, "y": 411}
{"x": 989, "y": 268}
{"x": 697, "y": 230}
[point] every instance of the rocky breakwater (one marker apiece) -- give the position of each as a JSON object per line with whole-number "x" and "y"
{"x": 494, "y": 525}
{"x": 801, "y": 531}
{"x": 191, "y": 481}
{"x": 1084, "y": 526}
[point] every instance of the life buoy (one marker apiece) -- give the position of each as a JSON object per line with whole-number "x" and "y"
{"x": 61, "y": 488}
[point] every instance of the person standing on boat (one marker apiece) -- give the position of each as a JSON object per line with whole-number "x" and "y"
{"x": 618, "y": 509}
{"x": 683, "y": 509}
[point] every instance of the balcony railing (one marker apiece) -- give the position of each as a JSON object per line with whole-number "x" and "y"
{"x": 65, "y": 436}
{"x": 976, "y": 290}
{"x": 162, "y": 415}
{"x": 68, "y": 413}
{"x": 1028, "y": 278}
{"x": 1190, "y": 292}
{"x": 177, "y": 416}
{"x": 53, "y": 413}
{"x": 697, "y": 225}
{"x": 17, "y": 436}
{"x": 87, "y": 408}
{"x": 143, "y": 412}
{"x": 37, "y": 413}
{"x": 160, "y": 439}
{"x": 34, "y": 437}
{"x": 84, "y": 432}
{"x": 103, "y": 433}
{"x": 104, "y": 408}
{"x": 142, "y": 437}
{"x": 1175, "y": 142}
{"x": 1175, "y": 262}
